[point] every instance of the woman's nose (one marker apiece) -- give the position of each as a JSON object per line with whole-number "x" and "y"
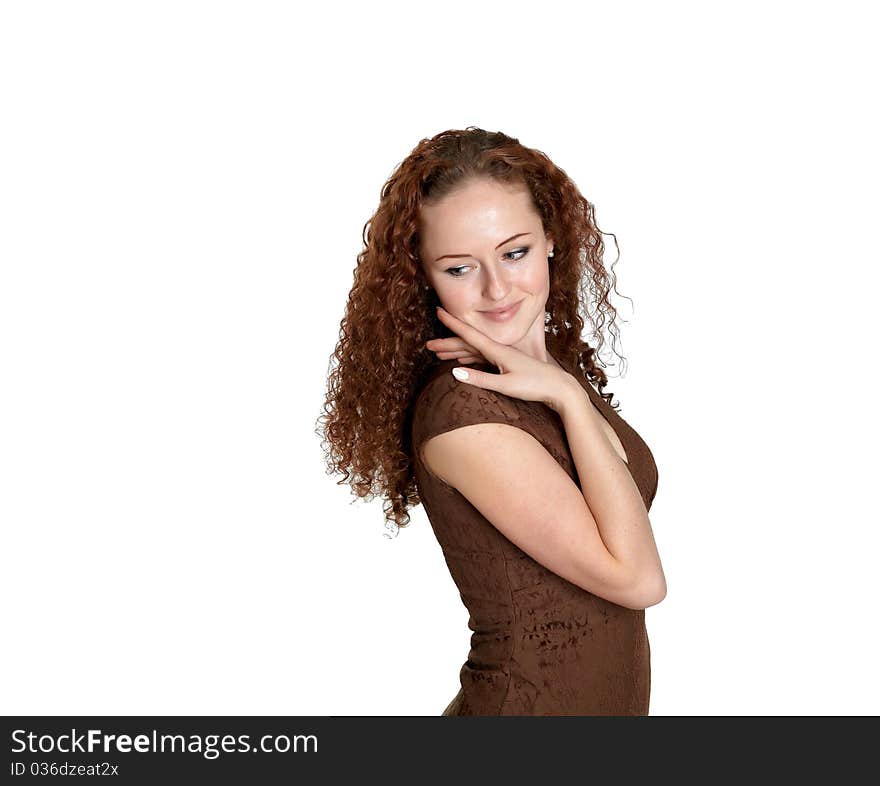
{"x": 495, "y": 286}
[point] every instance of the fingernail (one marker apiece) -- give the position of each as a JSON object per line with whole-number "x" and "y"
{"x": 459, "y": 373}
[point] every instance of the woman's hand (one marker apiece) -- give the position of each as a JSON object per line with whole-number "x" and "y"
{"x": 522, "y": 376}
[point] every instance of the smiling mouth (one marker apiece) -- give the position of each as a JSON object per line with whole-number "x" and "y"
{"x": 503, "y": 310}
{"x": 504, "y": 315}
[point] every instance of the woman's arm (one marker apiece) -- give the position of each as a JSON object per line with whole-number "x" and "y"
{"x": 522, "y": 490}
{"x": 611, "y": 494}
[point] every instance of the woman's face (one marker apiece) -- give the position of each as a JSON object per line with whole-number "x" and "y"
{"x": 484, "y": 247}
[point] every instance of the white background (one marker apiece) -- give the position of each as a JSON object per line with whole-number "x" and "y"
{"x": 183, "y": 188}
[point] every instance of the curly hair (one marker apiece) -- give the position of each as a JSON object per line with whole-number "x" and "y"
{"x": 381, "y": 358}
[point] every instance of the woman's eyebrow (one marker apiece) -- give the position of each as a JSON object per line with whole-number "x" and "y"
{"x": 512, "y": 237}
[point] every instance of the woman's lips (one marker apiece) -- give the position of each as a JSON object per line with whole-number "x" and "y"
{"x": 502, "y": 316}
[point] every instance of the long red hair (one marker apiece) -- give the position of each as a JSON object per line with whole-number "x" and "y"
{"x": 381, "y": 359}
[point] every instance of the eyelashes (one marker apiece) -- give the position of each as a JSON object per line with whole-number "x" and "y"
{"x": 522, "y": 251}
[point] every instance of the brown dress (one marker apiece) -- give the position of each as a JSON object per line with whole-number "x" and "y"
{"x": 540, "y": 645}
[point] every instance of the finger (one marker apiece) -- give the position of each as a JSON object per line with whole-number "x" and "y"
{"x": 487, "y": 347}
{"x": 450, "y": 344}
{"x": 480, "y": 379}
{"x": 469, "y": 359}
{"x": 451, "y": 354}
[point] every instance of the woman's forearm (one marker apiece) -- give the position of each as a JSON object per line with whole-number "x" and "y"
{"x": 611, "y": 493}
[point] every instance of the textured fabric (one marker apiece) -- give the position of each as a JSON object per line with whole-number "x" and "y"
{"x": 540, "y": 645}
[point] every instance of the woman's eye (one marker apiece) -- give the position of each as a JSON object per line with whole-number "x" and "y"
{"x": 521, "y": 251}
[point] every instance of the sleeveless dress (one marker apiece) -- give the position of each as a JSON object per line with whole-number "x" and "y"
{"x": 540, "y": 645}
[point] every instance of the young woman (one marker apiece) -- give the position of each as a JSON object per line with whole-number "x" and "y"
{"x": 478, "y": 260}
